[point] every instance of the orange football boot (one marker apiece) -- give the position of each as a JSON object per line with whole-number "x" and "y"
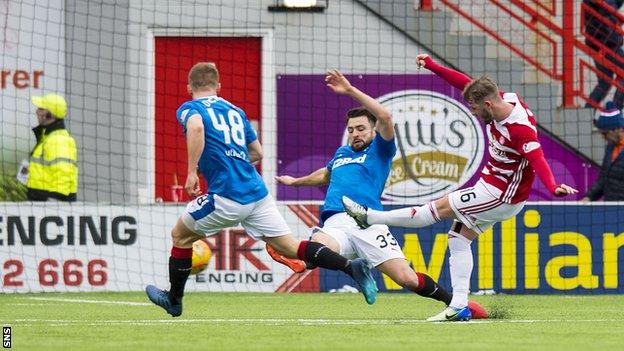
{"x": 297, "y": 266}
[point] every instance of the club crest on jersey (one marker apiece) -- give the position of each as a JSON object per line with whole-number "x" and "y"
{"x": 440, "y": 145}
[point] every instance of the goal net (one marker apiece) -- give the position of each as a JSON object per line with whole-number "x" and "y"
{"x": 122, "y": 67}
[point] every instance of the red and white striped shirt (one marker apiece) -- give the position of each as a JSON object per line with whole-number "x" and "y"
{"x": 510, "y": 140}
{"x": 515, "y": 152}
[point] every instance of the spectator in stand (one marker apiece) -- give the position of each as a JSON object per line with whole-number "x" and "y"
{"x": 610, "y": 182}
{"x": 604, "y": 29}
{"x": 52, "y": 169}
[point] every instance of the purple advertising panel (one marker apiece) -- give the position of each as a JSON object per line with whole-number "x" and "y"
{"x": 441, "y": 146}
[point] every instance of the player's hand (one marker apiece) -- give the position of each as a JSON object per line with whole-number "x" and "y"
{"x": 563, "y": 190}
{"x": 285, "y": 179}
{"x": 585, "y": 199}
{"x": 420, "y": 60}
{"x": 192, "y": 185}
{"x": 337, "y": 82}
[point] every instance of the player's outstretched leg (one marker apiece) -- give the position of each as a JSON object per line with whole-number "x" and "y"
{"x": 409, "y": 217}
{"x": 161, "y": 298}
{"x": 319, "y": 255}
{"x": 297, "y": 266}
{"x": 362, "y": 276}
{"x": 356, "y": 211}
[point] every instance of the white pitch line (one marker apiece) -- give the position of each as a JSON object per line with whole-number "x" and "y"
{"x": 105, "y": 302}
{"x": 280, "y": 321}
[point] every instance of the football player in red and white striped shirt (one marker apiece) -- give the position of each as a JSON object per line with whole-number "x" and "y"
{"x": 515, "y": 157}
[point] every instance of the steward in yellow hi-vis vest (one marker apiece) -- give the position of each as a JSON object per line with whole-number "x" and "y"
{"x": 53, "y": 171}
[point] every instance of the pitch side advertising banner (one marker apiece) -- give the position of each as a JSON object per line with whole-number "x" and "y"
{"x": 88, "y": 247}
{"x": 546, "y": 248}
{"x": 441, "y": 146}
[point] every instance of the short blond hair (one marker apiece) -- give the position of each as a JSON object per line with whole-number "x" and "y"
{"x": 203, "y": 75}
{"x": 481, "y": 89}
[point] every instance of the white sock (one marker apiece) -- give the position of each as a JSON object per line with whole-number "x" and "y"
{"x": 461, "y": 268}
{"x": 410, "y": 217}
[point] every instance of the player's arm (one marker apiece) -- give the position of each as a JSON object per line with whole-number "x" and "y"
{"x": 316, "y": 178}
{"x": 254, "y": 149}
{"x": 531, "y": 149}
{"x": 341, "y": 85}
{"x": 453, "y": 77}
{"x": 195, "y": 146}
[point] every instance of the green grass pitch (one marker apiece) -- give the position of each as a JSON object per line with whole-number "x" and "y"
{"x": 246, "y": 321}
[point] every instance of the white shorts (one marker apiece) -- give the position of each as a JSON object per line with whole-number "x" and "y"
{"x": 375, "y": 244}
{"x": 478, "y": 209}
{"x": 210, "y": 213}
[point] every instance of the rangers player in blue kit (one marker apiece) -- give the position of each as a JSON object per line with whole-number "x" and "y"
{"x": 359, "y": 170}
{"x": 224, "y": 146}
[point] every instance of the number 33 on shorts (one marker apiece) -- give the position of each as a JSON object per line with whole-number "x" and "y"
{"x": 385, "y": 240}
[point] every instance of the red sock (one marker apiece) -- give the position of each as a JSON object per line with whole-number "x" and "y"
{"x": 180, "y": 253}
{"x": 302, "y": 249}
{"x": 421, "y": 281}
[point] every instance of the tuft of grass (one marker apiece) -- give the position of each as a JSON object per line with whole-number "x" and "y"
{"x": 498, "y": 311}
{"x": 11, "y": 189}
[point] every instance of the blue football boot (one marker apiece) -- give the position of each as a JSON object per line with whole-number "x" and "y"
{"x": 363, "y": 277}
{"x": 162, "y": 299}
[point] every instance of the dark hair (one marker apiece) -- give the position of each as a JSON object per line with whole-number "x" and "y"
{"x": 362, "y": 112}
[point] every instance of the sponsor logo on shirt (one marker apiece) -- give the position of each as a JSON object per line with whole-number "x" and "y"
{"x": 497, "y": 151}
{"x": 237, "y": 154}
{"x": 348, "y": 160}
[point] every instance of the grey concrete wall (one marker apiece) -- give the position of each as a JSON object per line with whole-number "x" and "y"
{"x": 97, "y": 90}
{"x": 109, "y": 78}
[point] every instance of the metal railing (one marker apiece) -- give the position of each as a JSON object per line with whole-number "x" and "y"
{"x": 565, "y": 65}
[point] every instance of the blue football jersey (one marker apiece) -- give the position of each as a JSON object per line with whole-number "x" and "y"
{"x": 225, "y": 161}
{"x": 359, "y": 175}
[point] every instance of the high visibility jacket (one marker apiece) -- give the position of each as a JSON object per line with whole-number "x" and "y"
{"x": 53, "y": 171}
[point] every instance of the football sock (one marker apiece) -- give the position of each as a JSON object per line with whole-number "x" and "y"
{"x": 461, "y": 268}
{"x": 180, "y": 263}
{"x": 427, "y": 287}
{"x": 410, "y": 217}
{"x": 320, "y": 255}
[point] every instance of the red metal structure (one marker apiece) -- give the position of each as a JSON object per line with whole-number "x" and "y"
{"x": 426, "y": 5}
{"x": 565, "y": 66}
